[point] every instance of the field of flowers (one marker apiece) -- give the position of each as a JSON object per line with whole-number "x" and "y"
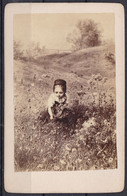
{"x": 85, "y": 141}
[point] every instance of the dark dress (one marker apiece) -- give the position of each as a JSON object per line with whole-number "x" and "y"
{"x": 60, "y": 111}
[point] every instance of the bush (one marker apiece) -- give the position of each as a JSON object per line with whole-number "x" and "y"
{"x": 18, "y": 51}
{"x": 86, "y": 34}
{"x": 110, "y": 57}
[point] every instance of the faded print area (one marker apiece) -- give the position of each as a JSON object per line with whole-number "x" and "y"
{"x": 80, "y": 49}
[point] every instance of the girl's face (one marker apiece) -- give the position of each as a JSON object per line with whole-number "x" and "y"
{"x": 58, "y": 91}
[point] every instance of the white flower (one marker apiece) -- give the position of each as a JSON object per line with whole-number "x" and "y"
{"x": 56, "y": 167}
{"x": 62, "y": 162}
{"x": 40, "y": 166}
{"x": 110, "y": 160}
{"x": 89, "y": 123}
{"x": 67, "y": 147}
{"x": 79, "y": 160}
{"x": 105, "y": 121}
{"x": 81, "y": 137}
{"x": 74, "y": 150}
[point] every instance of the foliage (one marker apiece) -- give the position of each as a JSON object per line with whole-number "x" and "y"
{"x": 96, "y": 89}
{"x": 31, "y": 53}
{"x": 34, "y": 51}
{"x": 110, "y": 57}
{"x": 17, "y": 48}
{"x": 86, "y": 34}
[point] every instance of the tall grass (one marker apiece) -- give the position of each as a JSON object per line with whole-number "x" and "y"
{"x": 85, "y": 140}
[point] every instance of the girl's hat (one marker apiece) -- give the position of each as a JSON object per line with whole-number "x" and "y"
{"x": 60, "y": 82}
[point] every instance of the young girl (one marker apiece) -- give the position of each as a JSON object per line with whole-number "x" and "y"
{"x": 57, "y": 101}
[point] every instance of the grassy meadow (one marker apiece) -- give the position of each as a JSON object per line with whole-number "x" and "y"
{"x": 88, "y": 141}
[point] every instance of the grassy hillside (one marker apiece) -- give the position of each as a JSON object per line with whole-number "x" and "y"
{"x": 75, "y": 68}
{"x": 38, "y": 144}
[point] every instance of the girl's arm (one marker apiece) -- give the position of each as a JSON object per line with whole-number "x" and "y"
{"x": 50, "y": 105}
{"x": 50, "y": 113}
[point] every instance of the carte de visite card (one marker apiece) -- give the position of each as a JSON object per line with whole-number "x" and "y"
{"x": 64, "y": 98}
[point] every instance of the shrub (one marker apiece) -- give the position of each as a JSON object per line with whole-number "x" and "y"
{"x": 86, "y": 34}
{"x": 110, "y": 57}
{"x": 18, "y": 51}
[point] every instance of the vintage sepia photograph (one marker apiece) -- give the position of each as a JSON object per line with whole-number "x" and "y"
{"x": 64, "y": 98}
{"x": 64, "y": 92}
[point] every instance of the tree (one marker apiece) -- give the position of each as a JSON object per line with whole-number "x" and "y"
{"x": 34, "y": 50}
{"x": 86, "y": 34}
{"x": 17, "y": 48}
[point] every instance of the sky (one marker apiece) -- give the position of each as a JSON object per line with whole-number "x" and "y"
{"x": 51, "y": 30}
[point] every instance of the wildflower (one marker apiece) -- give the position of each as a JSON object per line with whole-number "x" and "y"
{"x": 74, "y": 150}
{"x": 79, "y": 160}
{"x": 66, "y": 153}
{"x": 81, "y": 137}
{"x": 105, "y": 79}
{"x": 110, "y": 160}
{"x": 40, "y": 166}
{"x": 90, "y": 82}
{"x": 89, "y": 123}
{"x": 108, "y": 124}
{"x": 105, "y": 121}
{"x": 98, "y": 77}
{"x": 62, "y": 162}
{"x": 68, "y": 147}
{"x": 56, "y": 167}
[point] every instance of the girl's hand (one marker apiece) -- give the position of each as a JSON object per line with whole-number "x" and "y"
{"x": 51, "y": 117}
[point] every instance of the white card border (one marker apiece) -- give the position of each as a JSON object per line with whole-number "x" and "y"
{"x": 73, "y": 181}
